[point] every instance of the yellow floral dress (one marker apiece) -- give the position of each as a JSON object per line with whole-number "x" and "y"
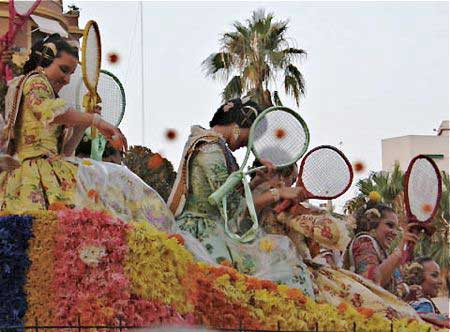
{"x": 46, "y": 178}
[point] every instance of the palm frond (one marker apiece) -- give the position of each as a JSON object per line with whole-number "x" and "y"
{"x": 293, "y": 71}
{"x": 218, "y": 64}
{"x": 233, "y": 89}
{"x": 276, "y": 99}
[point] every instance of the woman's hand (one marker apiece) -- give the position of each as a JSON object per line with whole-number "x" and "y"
{"x": 113, "y": 135}
{"x": 410, "y": 234}
{"x": 267, "y": 175}
{"x": 293, "y": 193}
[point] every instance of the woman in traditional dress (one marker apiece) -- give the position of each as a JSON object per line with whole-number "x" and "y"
{"x": 206, "y": 163}
{"x": 426, "y": 273}
{"x": 41, "y": 133}
{"x": 312, "y": 230}
{"x": 367, "y": 254}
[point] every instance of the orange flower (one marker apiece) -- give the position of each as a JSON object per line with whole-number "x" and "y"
{"x": 57, "y": 206}
{"x": 295, "y": 294}
{"x": 427, "y": 208}
{"x": 116, "y": 143}
{"x": 280, "y": 133}
{"x": 155, "y": 161}
{"x": 342, "y": 308}
{"x": 93, "y": 194}
{"x": 178, "y": 238}
{"x": 226, "y": 262}
{"x": 358, "y": 166}
{"x": 366, "y": 312}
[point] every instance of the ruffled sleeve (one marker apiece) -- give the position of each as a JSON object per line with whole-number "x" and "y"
{"x": 366, "y": 257}
{"x": 40, "y": 99}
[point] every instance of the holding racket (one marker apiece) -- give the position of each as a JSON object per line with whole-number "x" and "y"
{"x": 113, "y": 103}
{"x": 423, "y": 189}
{"x": 279, "y": 136}
{"x": 325, "y": 173}
{"x": 91, "y": 52}
{"x": 19, "y": 12}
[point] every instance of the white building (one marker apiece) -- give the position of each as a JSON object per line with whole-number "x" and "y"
{"x": 405, "y": 148}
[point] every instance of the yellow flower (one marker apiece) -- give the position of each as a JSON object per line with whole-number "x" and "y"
{"x": 266, "y": 245}
{"x": 375, "y": 196}
{"x": 86, "y": 162}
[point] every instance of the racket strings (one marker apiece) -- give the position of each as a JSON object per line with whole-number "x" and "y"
{"x": 422, "y": 189}
{"x": 113, "y": 101}
{"x": 92, "y": 60}
{"x": 325, "y": 173}
{"x": 278, "y": 137}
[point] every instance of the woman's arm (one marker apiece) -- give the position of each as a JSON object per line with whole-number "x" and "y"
{"x": 75, "y": 118}
{"x": 71, "y": 145}
{"x": 367, "y": 262}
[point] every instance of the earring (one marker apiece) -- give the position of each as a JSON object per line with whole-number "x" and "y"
{"x": 236, "y": 133}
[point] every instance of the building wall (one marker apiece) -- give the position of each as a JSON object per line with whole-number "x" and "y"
{"x": 403, "y": 149}
{"x": 48, "y": 9}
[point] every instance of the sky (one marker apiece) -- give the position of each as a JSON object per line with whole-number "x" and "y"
{"x": 374, "y": 70}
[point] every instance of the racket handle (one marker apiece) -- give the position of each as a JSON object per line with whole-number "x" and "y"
{"x": 232, "y": 181}
{"x": 406, "y": 253}
{"x": 283, "y": 206}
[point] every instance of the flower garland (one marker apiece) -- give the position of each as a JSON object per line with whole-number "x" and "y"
{"x": 90, "y": 264}
{"x": 15, "y": 231}
{"x": 94, "y": 289}
{"x": 40, "y": 295}
{"x": 155, "y": 265}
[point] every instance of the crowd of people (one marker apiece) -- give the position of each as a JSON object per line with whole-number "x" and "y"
{"x": 301, "y": 247}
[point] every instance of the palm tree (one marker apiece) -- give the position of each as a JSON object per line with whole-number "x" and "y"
{"x": 251, "y": 58}
{"x": 388, "y": 184}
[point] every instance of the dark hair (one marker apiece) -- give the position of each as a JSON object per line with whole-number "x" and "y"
{"x": 42, "y": 52}
{"x": 366, "y": 222}
{"x": 414, "y": 272}
{"x": 243, "y": 114}
{"x": 83, "y": 149}
{"x": 423, "y": 259}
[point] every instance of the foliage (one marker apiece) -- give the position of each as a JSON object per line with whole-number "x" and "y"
{"x": 158, "y": 175}
{"x": 252, "y": 55}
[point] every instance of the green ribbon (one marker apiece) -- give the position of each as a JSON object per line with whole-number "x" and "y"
{"x": 249, "y": 235}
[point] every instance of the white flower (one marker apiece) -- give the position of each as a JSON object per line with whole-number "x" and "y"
{"x": 91, "y": 254}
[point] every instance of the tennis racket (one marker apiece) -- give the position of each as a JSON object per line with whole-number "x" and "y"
{"x": 110, "y": 90}
{"x": 113, "y": 107}
{"x": 19, "y": 12}
{"x": 112, "y": 95}
{"x": 278, "y": 135}
{"x": 91, "y": 51}
{"x": 423, "y": 189}
{"x": 113, "y": 101}
{"x": 325, "y": 173}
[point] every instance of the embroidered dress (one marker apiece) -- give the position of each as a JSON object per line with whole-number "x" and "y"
{"x": 429, "y": 312}
{"x": 332, "y": 284}
{"x": 364, "y": 255}
{"x": 46, "y": 179}
{"x": 205, "y": 166}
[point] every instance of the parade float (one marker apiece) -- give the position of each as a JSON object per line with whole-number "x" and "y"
{"x": 83, "y": 266}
